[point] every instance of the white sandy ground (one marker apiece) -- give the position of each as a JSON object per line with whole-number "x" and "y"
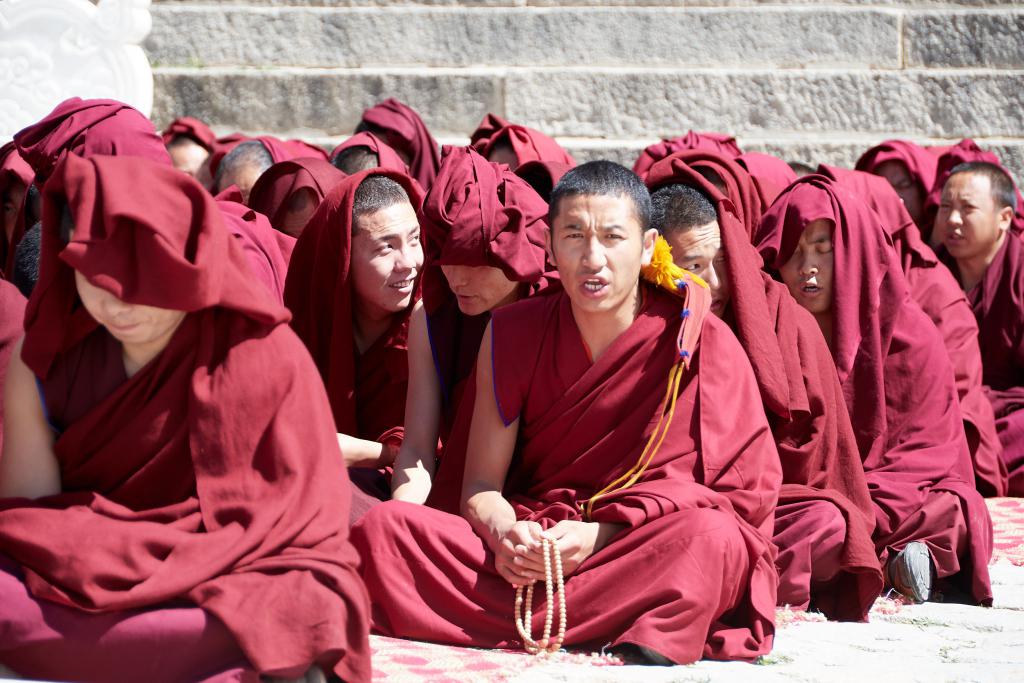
{"x": 932, "y": 643}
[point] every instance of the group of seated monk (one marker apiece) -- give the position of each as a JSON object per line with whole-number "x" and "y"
{"x": 263, "y": 400}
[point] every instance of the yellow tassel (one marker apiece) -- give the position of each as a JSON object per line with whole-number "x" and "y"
{"x": 663, "y": 272}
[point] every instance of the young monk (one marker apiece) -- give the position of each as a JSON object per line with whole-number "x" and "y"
{"x": 514, "y": 145}
{"x": 910, "y": 169}
{"x": 364, "y": 151}
{"x": 170, "y": 470}
{"x": 973, "y": 223}
{"x": 190, "y": 142}
{"x": 932, "y": 529}
{"x": 351, "y": 286}
{"x": 484, "y": 237}
{"x": 936, "y": 291}
{"x": 715, "y": 142}
{"x": 824, "y": 519}
{"x": 290, "y": 191}
{"x": 588, "y": 430}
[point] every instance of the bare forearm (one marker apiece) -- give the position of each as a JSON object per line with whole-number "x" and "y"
{"x": 413, "y": 475}
{"x": 364, "y": 453}
{"x": 490, "y": 515}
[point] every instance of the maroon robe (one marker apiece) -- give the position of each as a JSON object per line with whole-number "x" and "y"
{"x": 402, "y": 128}
{"x": 690, "y": 576}
{"x": 899, "y": 388}
{"x": 15, "y": 173}
{"x": 191, "y": 128}
{"x": 824, "y": 519}
{"x": 279, "y": 150}
{"x": 771, "y": 174}
{"x": 274, "y": 189}
{"x": 477, "y": 213}
{"x": 998, "y": 304}
{"x": 921, "y": 165}
{"x": 527, "y": 144}
{"x": 714, "y": 142}
{"x": 208, "y": 479}
{"x": 12, "y": 312}
{"x": 267, "y": 251}
{"x": 543, "y": 175}
{"x": 936, "y": 291}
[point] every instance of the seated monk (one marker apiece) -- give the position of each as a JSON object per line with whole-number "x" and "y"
{"x": 290, "y": 191}
{"x": 932, "y": 534}
{"x": 514, "y": 145}
{"x": 910, "y": 170}
{"x": 190, "y": 142}
{"x": 170, "y": 504}
{"x": 15, "y": 177}
{"x": 364, "y": 151}
{"x": 824, "y": 518}
{"x": 936, "y": 291}
{"x": 543, "y": 176}
{"x": 403, "y": 130}
{"x": 973, "y": 222}
{"x": 242, "y": 167}
{"x": 351, "y": 286}
{"x": 588, "y": 433}
{"x": 484, "y": 239}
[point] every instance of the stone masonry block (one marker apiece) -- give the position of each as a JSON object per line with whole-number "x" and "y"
{"x": 443, "y": 37}
{"x": 952, "y": 39}
{"x": 325, "y": 101}
{"x": 610, "y": 103}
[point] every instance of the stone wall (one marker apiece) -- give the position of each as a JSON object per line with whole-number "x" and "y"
{"x": 808, "y": 81}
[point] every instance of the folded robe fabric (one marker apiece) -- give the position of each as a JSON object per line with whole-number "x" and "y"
{"x": 191, "y": 128}
{"x": 527, "y": 144}
{"x": 801, "y": 395}
{"x": 939, "y": 295}
{"x": 211, "y": 476}
{"x": 771, "y": 174}
{"x": 477, "y": 213}
{"x": 367, "y": 390}
{"x": 898, "y": 384}
{"x": 715, "y": 142}
{"x": 387, "y": 157}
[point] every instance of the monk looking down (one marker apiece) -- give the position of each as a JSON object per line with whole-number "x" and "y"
{"x": 824, "y": 519}
{"x": 605, "y": 419}
{"x": 973, "y": 223}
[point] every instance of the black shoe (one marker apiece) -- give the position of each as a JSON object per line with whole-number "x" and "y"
{"x": 632, "y": 653}
{"x": 912, "y": 572}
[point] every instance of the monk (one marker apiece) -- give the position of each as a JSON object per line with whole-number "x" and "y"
{"x": 15, "y": 177}
{"x": 771, "y": 174}
{"x": 403, "y": 130}
{"x": 932, "y": 534}
{"x": 171, "y": 508}
{"x": 84, "y": 128}
{"x": 260, "y": 153}
{"x": 936, "y": 291}
{"x": 364, "y": 151}
{"x": 514, "y": 145}
{"x": 242, "y": 167}
{"x": 484, "y": 233}
{"x": 12, "y": 312}
{"x": 824, "y": 518}
{"x": 973, "y": 222}
{"x": 605, "y": 423}
{"x": 543, "y": 175}
{"x": 290, "y": 191}
{"x": 910, "y": 169}
{"x": 190, "y": 142}
{"x": 351, "y": 287}
{"x": 715, "y": 142}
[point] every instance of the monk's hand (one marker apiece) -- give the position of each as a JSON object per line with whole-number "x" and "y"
{"x": 518, "y": 557}
{"x": 579, "y": 540}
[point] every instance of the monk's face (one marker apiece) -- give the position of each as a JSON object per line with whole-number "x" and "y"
{"x": 479, "y": 289}
{"x": 386, "y": 260}
{"x": 301, "y": 206}
{"x": 187, "y": 155}
{"x": 809, "y": 271}
{"x": 243, "y": 177}
{"x": 134, "y": 325}
{"x": 898, "y": 175}
{"x": 598, "y": 245}
{"x": 699, "y": 251}
{"x": 502, "y": 153}
{"x": 11, "y": 202}
{"x": 969, "y": 223}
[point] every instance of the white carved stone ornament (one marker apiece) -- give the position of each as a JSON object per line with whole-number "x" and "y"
{"x": 51, "y": 50}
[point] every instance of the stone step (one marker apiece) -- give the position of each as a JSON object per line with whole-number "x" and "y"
{"x": 612, "y": 103}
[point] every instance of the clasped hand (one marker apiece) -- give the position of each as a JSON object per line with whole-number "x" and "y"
{"x": 519, "y": 557}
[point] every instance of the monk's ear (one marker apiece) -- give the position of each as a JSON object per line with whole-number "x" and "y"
{"x": 1005, "y": 218}
{"x": 549, "y": 247}
{"x": 650, "y": 237}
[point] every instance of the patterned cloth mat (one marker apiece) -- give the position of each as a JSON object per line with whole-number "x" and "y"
{"x": 401, "y": 661}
